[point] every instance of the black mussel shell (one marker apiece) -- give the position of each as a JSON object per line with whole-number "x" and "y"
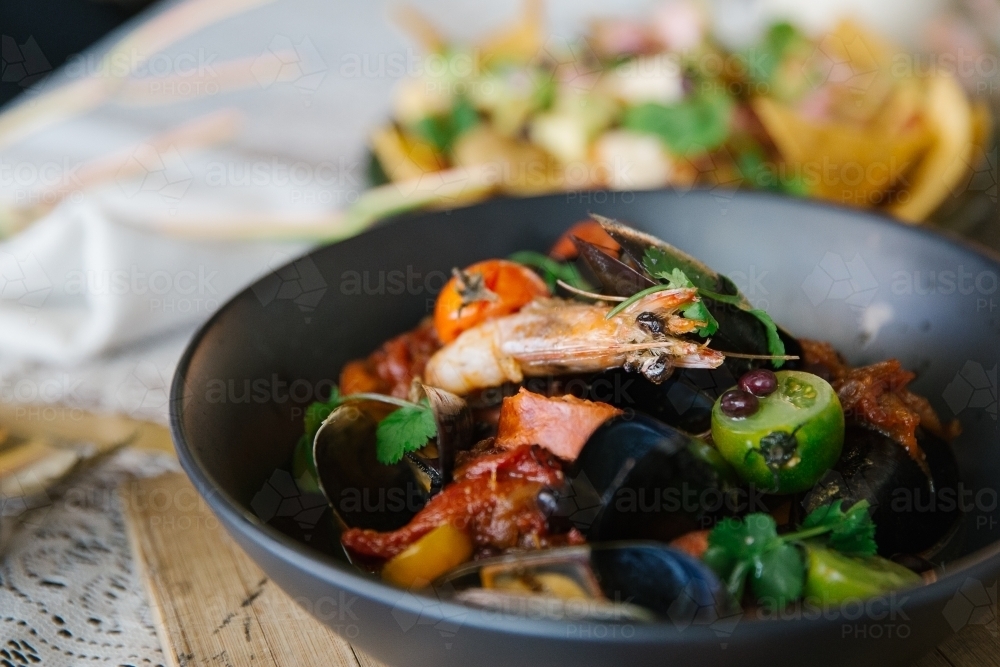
{"x": 640, "y": 479}
{"x": 616, "y": 277}
{"x": 684, "y": 400}
{"x": 454, "y": 428}
{"x": 365, "y": 493}
{"x": 622, "y": 581}
{"x": 912, "y": 511}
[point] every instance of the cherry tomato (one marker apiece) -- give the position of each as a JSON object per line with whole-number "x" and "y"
{"x": 587, "y": 230}
{"x": 485, "y": 290}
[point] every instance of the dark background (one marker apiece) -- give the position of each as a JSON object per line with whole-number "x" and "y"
{"x": 36, "y": 36}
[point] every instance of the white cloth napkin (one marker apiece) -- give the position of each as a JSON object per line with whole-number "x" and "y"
{"x": 77, "y": 283}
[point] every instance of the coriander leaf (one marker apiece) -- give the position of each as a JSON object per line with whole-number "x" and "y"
{"x": 824, "y": 516}
{"x": 778, "y": 576}
{"x": 775, "y": 345}
{"x": 695, "y": 125}
{"x": 735, "y": 546}
{"x": 696, "y": 311}
{"x": 404, "y": 430}
{"x": 551, "y": 270}
{"x": 661, "y": 265}
{"x": 855, "y": 535}
{"x": 851, "y": 532}
{"x": 763, "y": 175}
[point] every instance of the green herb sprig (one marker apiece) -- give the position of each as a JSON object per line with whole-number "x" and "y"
{"x": 752, "y": 550}
{"x": 551, "y": 270}
{"x": 402, "y": 431}
{"x": 661, "y": 266}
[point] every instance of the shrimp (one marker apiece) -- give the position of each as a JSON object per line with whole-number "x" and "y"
{"x": 553, "y": 336}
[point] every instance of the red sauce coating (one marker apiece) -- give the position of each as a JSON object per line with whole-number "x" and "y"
{"x": 391, "y": 368}
{"x": 493, "y": 499}
{"x": 877, "y": 397}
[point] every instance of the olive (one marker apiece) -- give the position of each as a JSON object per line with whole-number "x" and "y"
{"x": 737, "y": 403}
{"x": 759, "y": 382}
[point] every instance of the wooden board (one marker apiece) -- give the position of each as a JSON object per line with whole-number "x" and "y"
{"x": 212, "y": 604}
{"x": 214, "y": 607}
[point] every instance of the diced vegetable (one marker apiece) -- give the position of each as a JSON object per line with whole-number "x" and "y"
{"x": 428, "y": 558}
{"x": 835, "y": 578}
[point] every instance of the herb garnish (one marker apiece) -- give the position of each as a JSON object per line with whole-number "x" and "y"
{"x": 551, "y": 270}
{"x": 402, "y": 431}
{"x": 405, "y": 430}
{"x": 752, "y": 549}
{"x": 695, "y": 125}
{"x": 666, "y": 268}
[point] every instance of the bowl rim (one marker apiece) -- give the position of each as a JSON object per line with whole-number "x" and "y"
{"x": 982, "y": 563}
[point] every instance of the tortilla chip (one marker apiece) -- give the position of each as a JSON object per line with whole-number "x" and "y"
{"x": 949, "y": 117}
{"x": 860, "y": 70}
{"x": 839, "y": 160}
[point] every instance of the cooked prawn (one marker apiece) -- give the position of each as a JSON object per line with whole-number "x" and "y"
{"x": 552, "y": 336}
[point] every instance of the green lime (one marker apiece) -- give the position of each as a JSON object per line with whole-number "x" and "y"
{"x": 795, "y": 435}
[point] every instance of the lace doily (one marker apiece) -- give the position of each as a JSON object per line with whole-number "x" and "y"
{"x": 70, "y": 593}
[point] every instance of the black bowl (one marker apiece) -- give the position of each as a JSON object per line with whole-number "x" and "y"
{"x": 873, "y": 287}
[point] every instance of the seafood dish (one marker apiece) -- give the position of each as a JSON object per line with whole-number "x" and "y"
{"x": 479, "y": 455}
{"x": 659, "y": 101}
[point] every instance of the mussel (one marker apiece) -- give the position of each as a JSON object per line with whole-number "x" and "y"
{"x": 739, "y": 331}
{"x": 684, "y": 400}
{"x": 912, "y": 511}
{"x": 365, "y": 493}
{"x": 640, "y": 479}
{"x": 625, "y": 582}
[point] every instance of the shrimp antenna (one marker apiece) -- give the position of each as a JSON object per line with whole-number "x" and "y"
{"x": 773, "y": 357}
{"x": 590, "y": 295}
